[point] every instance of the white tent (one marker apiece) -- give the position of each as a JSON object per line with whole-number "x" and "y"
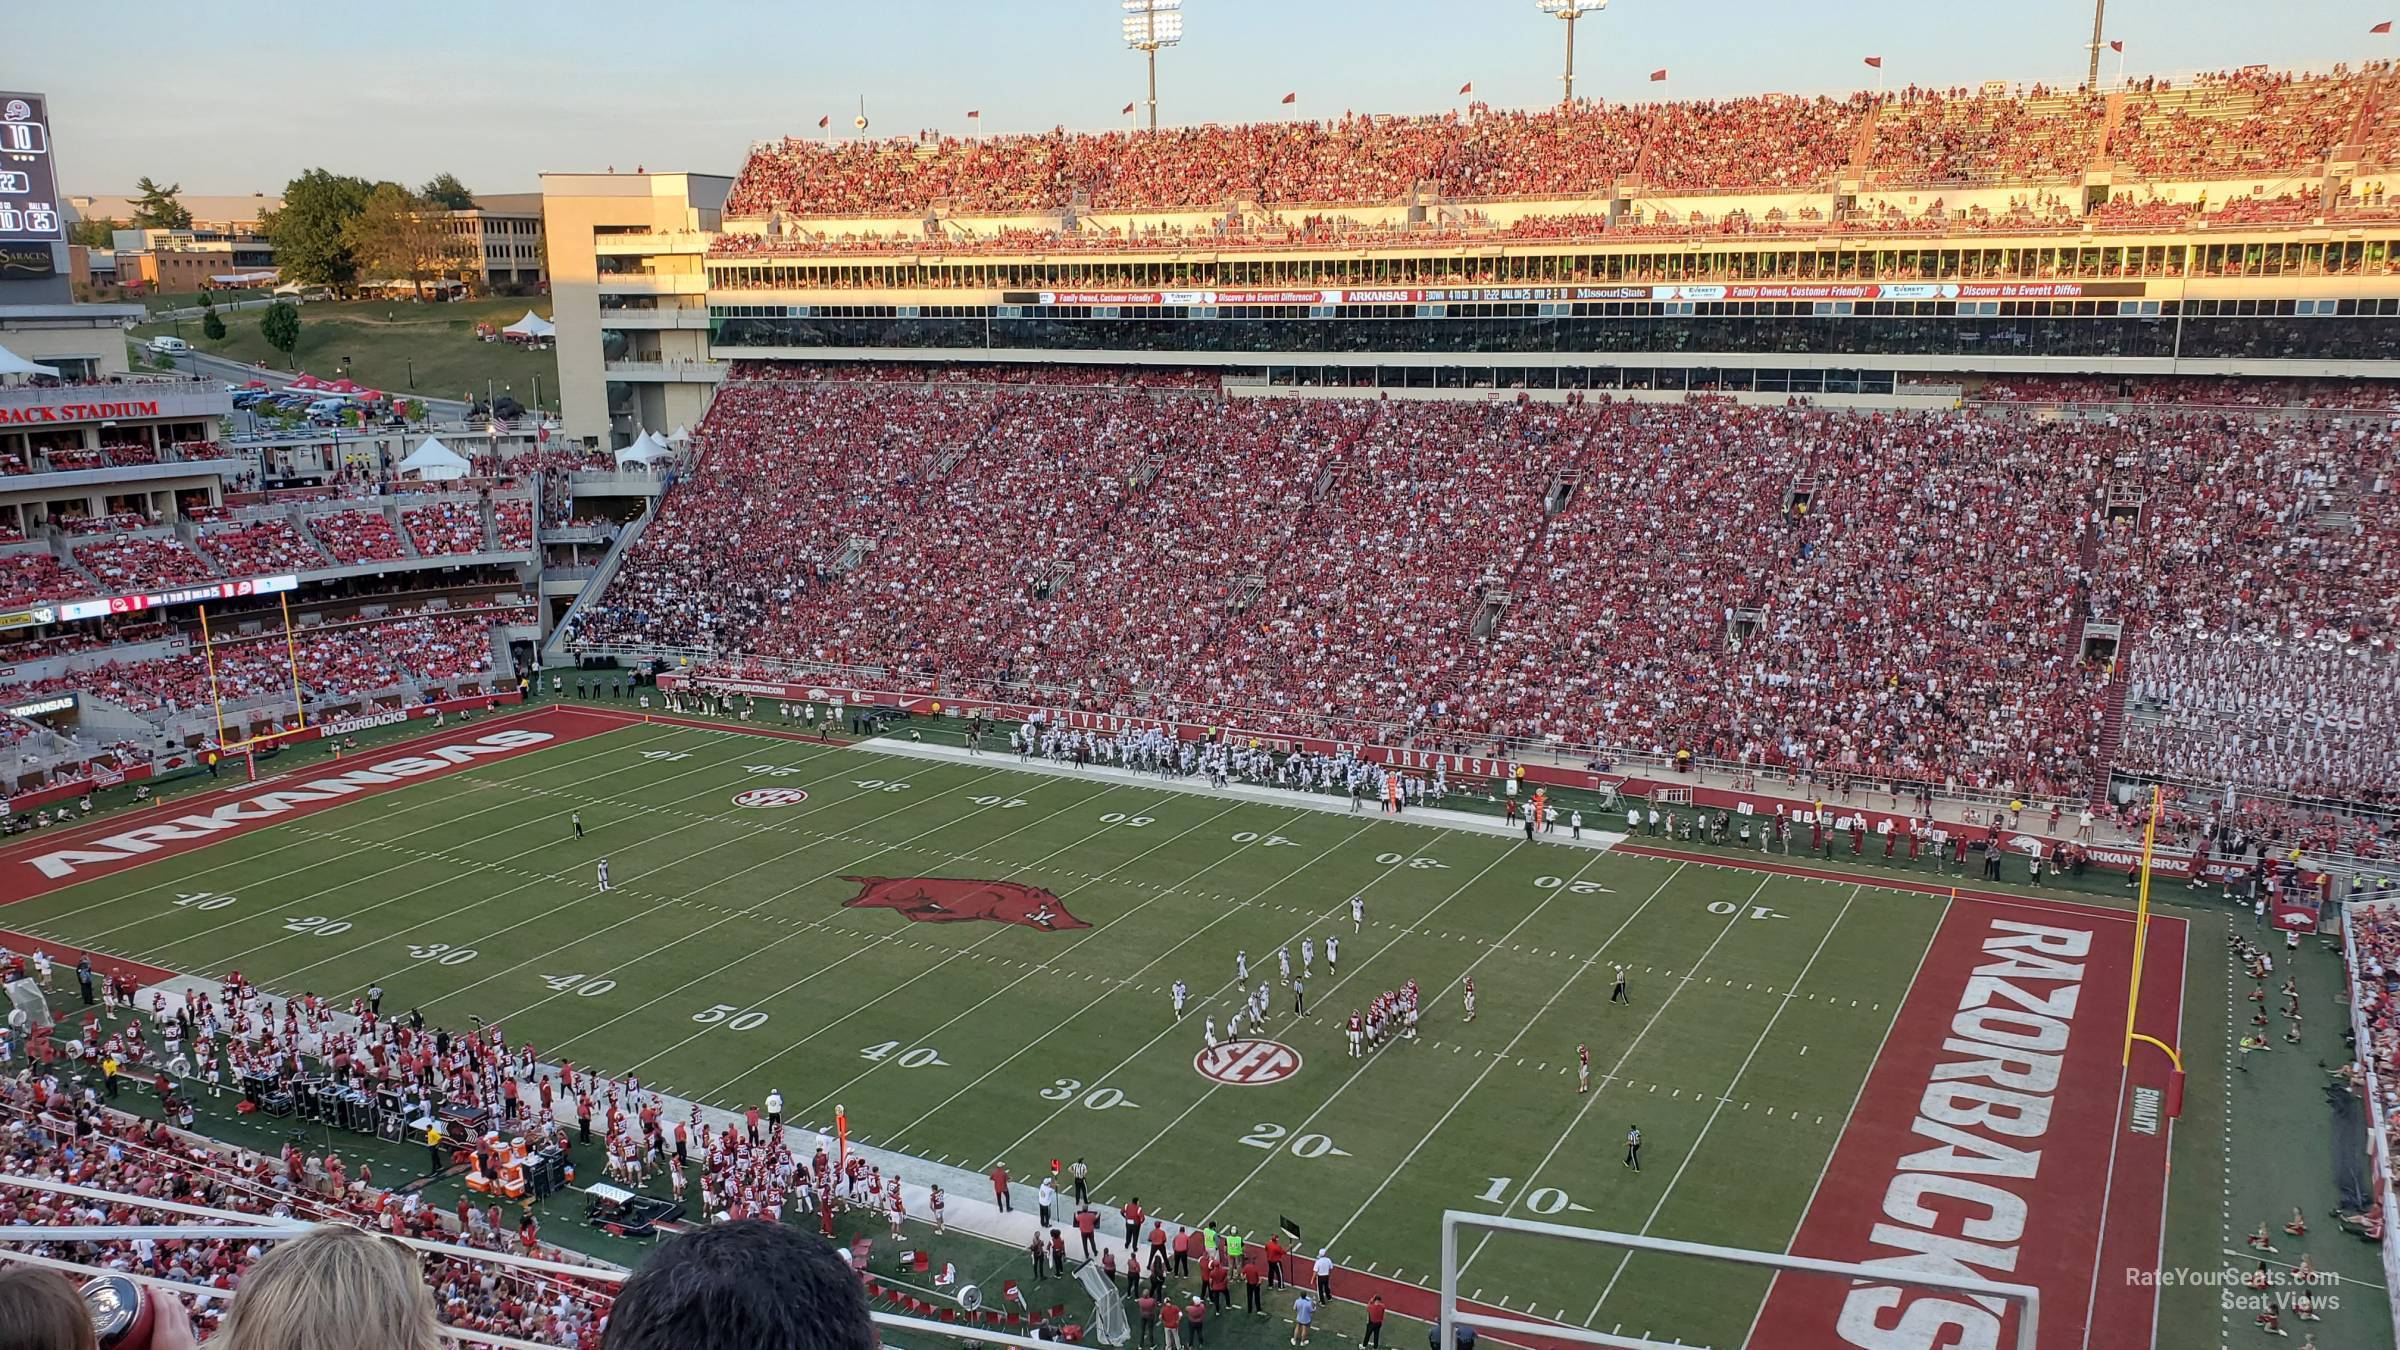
{"x": 647, "y": 449}
{"x": 678, "y": 437}
{"x": 13, "y": 364}
{"x": 434, "y": 462}
{"x": 532, "y": 326}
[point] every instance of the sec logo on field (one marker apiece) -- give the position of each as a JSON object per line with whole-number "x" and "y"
{"x": 1247, "y": 1063}
{"x": 768, "y": 797}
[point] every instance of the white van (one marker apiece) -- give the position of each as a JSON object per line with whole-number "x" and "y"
{"x": 169, "y": 346}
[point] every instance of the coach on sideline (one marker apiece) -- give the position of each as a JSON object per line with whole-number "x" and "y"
{"x": 746, "y": 1285}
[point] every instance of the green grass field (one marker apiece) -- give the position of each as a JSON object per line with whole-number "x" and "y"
{"x": 384, "y": 338}
{"x": 724, "y": 964}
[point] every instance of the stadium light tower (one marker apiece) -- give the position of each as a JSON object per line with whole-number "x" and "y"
{"x": 1569, "y": 11}
{"x": 2091, "y": 78}
{"x": 1150, "y": 25}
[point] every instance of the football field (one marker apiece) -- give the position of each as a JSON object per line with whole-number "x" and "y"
{"x": 974, "y": 961}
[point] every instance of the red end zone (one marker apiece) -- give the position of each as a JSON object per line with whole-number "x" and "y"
{"x": 1999, "y": 1137}
{"x": 55, "y": 859}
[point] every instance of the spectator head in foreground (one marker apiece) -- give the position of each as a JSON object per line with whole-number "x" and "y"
{"x": 39, "y": 1310}
{"x": 742, "y": 1286}
{"x": 339, "y": 1288}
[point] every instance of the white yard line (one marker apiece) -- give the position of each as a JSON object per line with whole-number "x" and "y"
{"x": 817, "y": 839}
{"x": 537, "y": 879}
{"x": 462, "y": 865}
{"x": 786, "y": 892}
{"x": 746, "y": 912}
{"x": 1046, "y": 964}
{"x": 1336, "y": 1095}
{"x": 467, "y": 867}
{"x": 1615, "y": 1070}
{"x": 429, "y": 799}
{"x": 1507, "y": 1050}
{"x": 1727, "y": 1095}
{"x": 1145, "y": 1047}
{"x": 1855, "y": 1098}
{"x": 2182, "y": 981}
{"x": 1111, "y": 987}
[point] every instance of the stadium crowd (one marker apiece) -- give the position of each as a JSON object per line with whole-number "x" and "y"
{"x": 2222, "y": 125}
{"x": 262, "y": 546}
{"x": 1894, "y": 594}
{"x": 2313, "y": 717}
{"x": 130, "y": 562}
{"x": 337, "y": 661}
{"x": 447, "y": 526}
{"x": 357, "y": 536}
{"x": 36, "y": 574}
{"x": 62, "y": 1130}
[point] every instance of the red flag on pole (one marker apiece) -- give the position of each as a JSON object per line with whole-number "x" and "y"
{"x": 826, "y": 120}
{"x": 2117, "y": 47}
{"x": 1659, "y": 75}
{"x": 2384, "y": 27}
{"x": 1126, "y": 110}
{"x": 1467, "y": 88}
{"x": 1293, "y": 97}
{"x": 974, "y": 112}
{"x": 1875, "y": 61}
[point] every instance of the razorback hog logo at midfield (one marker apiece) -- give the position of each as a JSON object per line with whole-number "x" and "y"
{"x": 958, "y": 899}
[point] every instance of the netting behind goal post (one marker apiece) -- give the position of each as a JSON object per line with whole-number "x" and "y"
{"x": 2026, "y": 1298}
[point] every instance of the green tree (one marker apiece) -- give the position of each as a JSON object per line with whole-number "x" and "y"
{"x": 307, "y": 231}
{"x": 93, "y": 232}
{"x": 399, "y": 237}
{"x": 212, "y": 325}
{"x": 159, "y": 208}
{"x": 279, "y": 324}
{"x": 446, "y": 192}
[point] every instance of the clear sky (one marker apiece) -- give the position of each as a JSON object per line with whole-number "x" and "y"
{"x": 239, "y": 99}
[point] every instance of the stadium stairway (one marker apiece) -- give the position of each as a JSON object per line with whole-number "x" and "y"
{"x": 557, "y": 654}
{"x": 2112, "y": 730}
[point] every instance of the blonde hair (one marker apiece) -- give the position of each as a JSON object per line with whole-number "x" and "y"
{"x": 339, "y": 1288}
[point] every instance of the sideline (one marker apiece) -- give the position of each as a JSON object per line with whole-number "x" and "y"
{"x": 1432, "y": 817}
{"x": 124, "y": 842}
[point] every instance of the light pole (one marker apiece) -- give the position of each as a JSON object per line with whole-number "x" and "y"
{"x": 1569, "y": 11}
{"x": 1150, "y": 25}
{"x": 2091, "y": 79}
